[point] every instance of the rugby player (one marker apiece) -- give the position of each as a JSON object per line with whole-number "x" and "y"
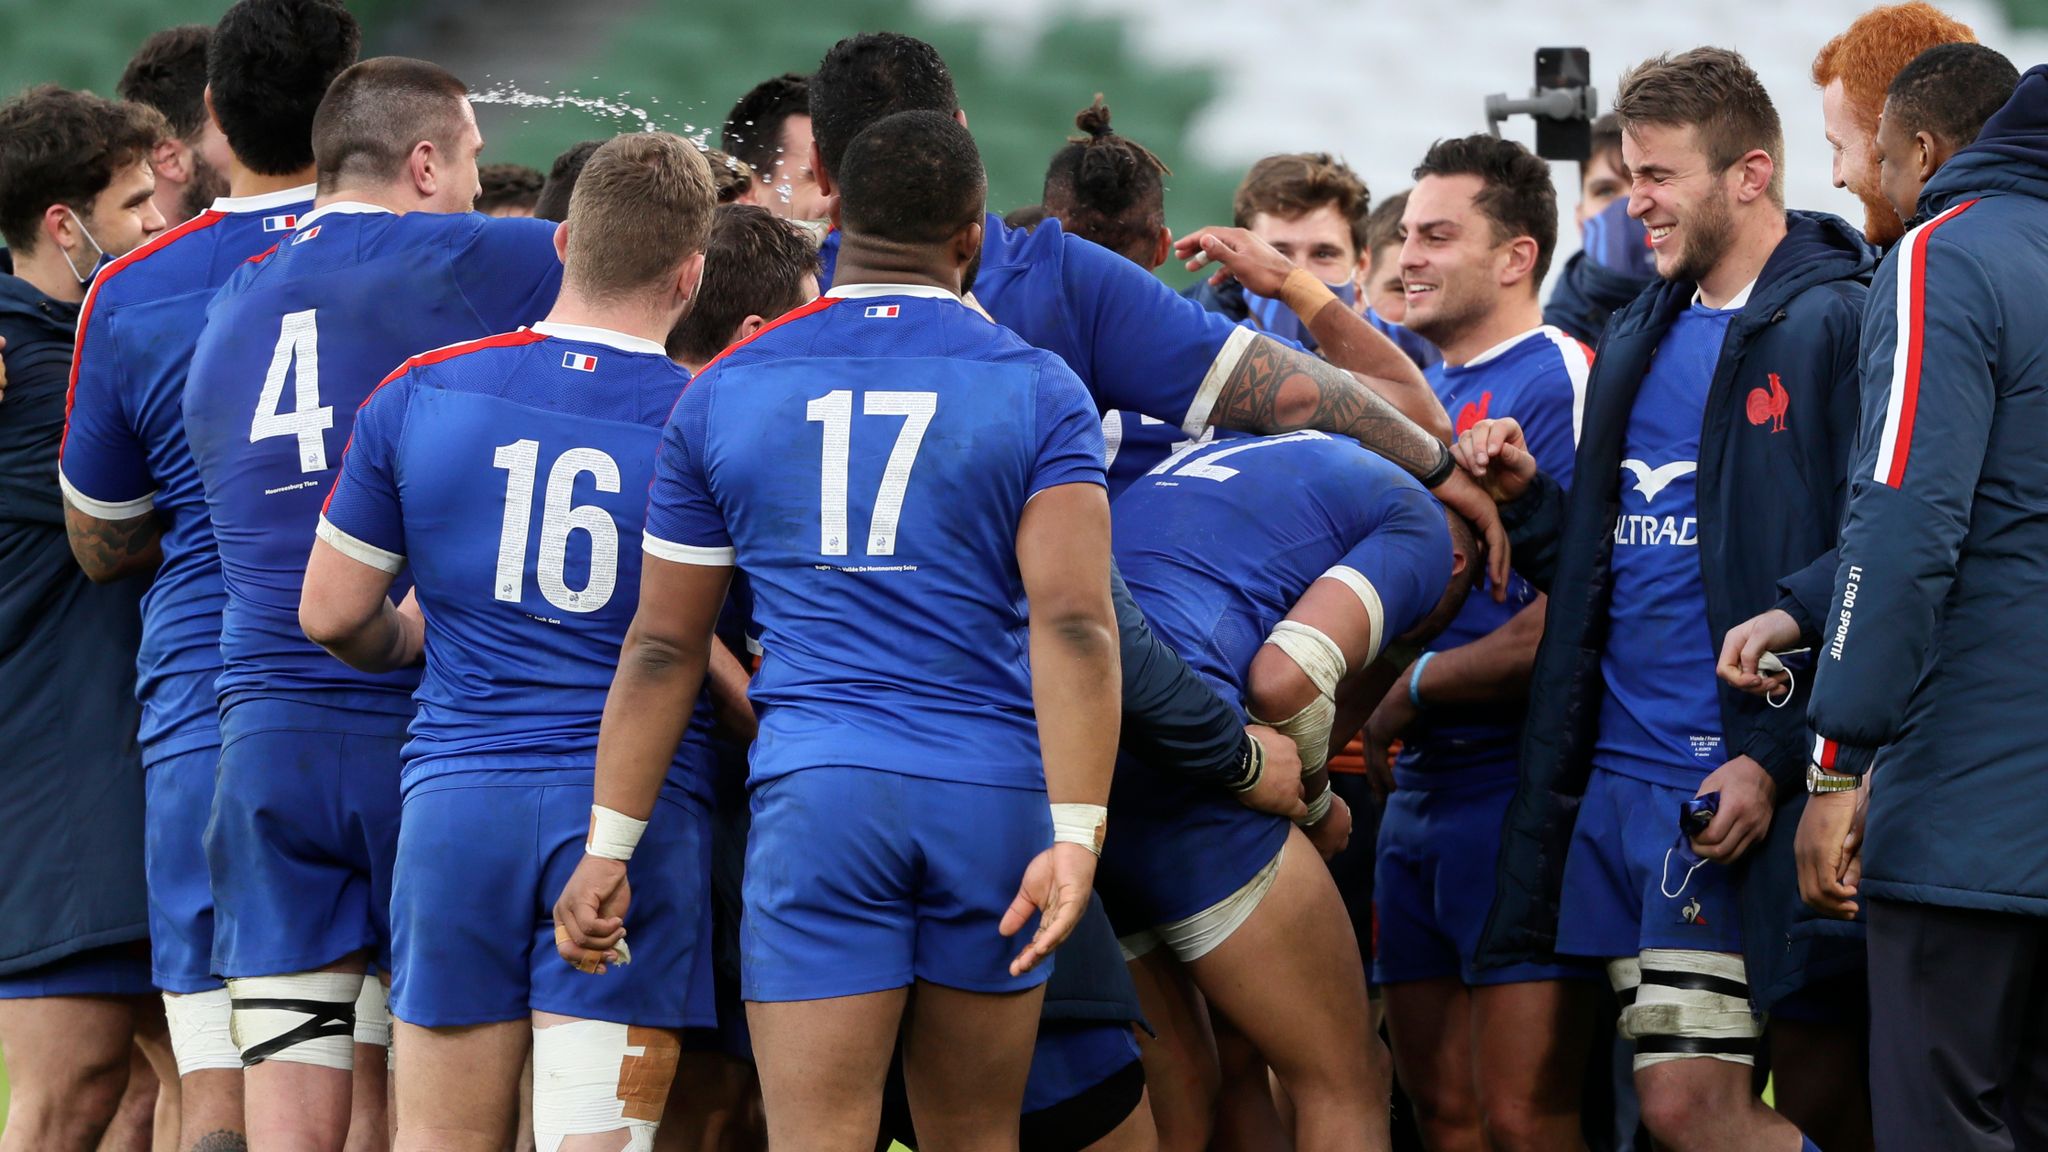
{"x": 897, "y": 787}
{"x": 168, "y": 73}
{"x": 305, "y": 819}
{"x": 769, "y": 130}
{"x": 134, "y": 503}
{"x": 516, "y": 464}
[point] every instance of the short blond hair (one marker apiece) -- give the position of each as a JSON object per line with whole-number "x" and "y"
{"x": 641, "y": 207}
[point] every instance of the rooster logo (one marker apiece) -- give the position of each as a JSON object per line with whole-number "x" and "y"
{"x": 1768, "y": 407}
{"x": 1692, "y": 913}
{"x": 1473, "y": 413}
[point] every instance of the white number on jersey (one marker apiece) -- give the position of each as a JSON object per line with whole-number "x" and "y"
{"x": 298, "y": 354}
{"x": 558, "y": 518}
{"x": 835, "y": 411}
{"x": 1207, "y": 468}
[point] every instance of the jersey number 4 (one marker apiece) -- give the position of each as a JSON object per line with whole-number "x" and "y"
{"x": 297, "y": 356}
{"x": 835, "y": 411}
{"x": 558, "y": 518}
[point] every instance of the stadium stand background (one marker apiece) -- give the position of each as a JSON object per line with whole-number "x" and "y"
{"x": 1208, "y": 84}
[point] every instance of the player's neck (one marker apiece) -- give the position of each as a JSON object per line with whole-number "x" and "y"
{"x": 571, "y": 307}
{"x": 863, "y": 260}
{"x": 244, "y": 183}
{"x": 390, "y": 197}
{"x": 1744, "y": 261}
{"x": 47, "y": 273}
{"x": 1504, "y": 323}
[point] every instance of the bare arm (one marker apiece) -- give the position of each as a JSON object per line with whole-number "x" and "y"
{"x": 109, "y": 550}
{"x": 345, "y": 607}
{"x": 661, "y": 669}
{"x": 1492, "y": 669}
{"x": 1076, "y": 677}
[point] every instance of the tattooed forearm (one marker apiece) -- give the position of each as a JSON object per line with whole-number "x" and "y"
{"x": 224, "y": 1140}
{"x": 1275, "y": 388}
{"x": 109, "y": 550}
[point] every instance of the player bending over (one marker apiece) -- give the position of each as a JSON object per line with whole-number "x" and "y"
{"x": 900, "y": 784}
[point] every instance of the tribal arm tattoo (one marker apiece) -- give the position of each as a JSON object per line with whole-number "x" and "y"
{"x": 1274, "y": 388}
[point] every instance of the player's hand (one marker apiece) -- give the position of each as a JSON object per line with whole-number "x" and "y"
{"x": 1464, "y": 496}
{"x": 1773, "y": 631}
{"x": 1333, "y": 831}
{"x": 1829, "y": 851}
{"x": 1495, "y": 453}
{"x": 1388, "y": 723}
{"x": 1256, "y": 264}
{"x": 1057, "y": 885}
{"x": 1748, "y": 797}
{"x": 3, "y": 369}
{"x": 413, "y": 619}
{"x": 1279, "y": 788}
{"x": 590, "y": 915}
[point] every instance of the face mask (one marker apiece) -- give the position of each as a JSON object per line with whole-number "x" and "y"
{"x": 85, "y": 281}
{"x": 1276, "y": 318}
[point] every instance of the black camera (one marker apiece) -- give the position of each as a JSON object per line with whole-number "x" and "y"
{"x": 1563, "y": 104}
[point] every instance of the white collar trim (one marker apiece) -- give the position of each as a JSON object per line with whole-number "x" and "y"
{"x": 344, "y": 208}
{"x": 605, "y": 336}
{"x": 1501, "y": 349}
{"x": 863, "y": 291}
{"x": 1738, "y": 302}
{"x": 281, "y": 199}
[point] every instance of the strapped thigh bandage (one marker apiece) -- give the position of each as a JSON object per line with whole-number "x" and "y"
{"x": 592, "y": 1076}
{"x": 200, "y": 1034}
{"x": 303, "y": 1018}
{"x": 373, "y": 1015}
{"x": 1687, "y": 1005}
{"x": 1322, "y": 661}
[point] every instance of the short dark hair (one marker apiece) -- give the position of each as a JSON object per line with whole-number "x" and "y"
{"x": 1105, "y": 187}
{"x": 1515, "y": 190}
{"x": 732, "y": 177}
{"x": 168, "y": 73}
{"x": 642, "y": 207}
{"x": 753, "y": 129}
{"x": 507, "y": 185}
{"x": 1026, "y": 217}
{"x": 1293, "y": 184}
{"x": 1950, "y": 90}
{"x": 1714, "y": 91}
{"x": 914, "y": 178}
{"x": 1383, "y": 226}
{"x": 59, "y": 146}
{"x": 561, "y": 183}
{"x": 377, "y": 111}
{"x": 269, "y": 65}
{"x": 867, "y": 77}
{"x": 1606, "y": 143}
{"x": 754, "y": 265}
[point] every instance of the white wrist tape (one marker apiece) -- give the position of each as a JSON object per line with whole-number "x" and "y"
{"x": 1318, "y": 808}
{"x": 1322, "y": 661}
{"x": 200, "y": 1035}
{"x": 613, "y": 835}
{"x": 1079, "y": 824}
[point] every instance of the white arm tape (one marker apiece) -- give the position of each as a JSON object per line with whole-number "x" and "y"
{"x": 1375, "y": 612}
{"x": 1079, "y": 824}
{"x": 613, "y": 835}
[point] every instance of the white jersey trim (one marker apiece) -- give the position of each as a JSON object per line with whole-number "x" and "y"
{"x": 687, "y": 553}
{"x": 360, "y": 551}
{"x": 1227, "y": 357}
{"x": 864, "y": 291}
{"x": 1369, "y": 597}
{"x": 609, "y": 337}
{"x": 100, "y": 509}
{"x": 342, "y": 208}
{"x": 1579, "y": 366}
{"x": 267, "y": 201}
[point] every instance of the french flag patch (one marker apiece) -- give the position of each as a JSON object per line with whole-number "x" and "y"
{"x": 881, "y": 312}
{"x": 579, "y": 361}
{"x": 284, "y": 223}
{"x": 308, "y": 234}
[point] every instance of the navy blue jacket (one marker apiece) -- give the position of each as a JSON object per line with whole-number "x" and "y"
{"x": 1932, "y": 644}
{"x": 71, "y": 779}
{"x": 1586, "y": 296}
{"x": 1779, "y": 426}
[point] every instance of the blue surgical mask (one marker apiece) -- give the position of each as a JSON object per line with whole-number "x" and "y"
{"x": 1273, "y": 317}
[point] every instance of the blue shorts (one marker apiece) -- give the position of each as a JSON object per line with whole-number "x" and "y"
{"x": 860, "y": 881}
{"x": 1434, "y": 885}
{"x": 1628, "y": 887}
{"x": 1177, "y": 847}
{"x": 482, "y": 857}
{"x": 304, "y": 833}
{"x": 111, "y": 970}
{"x": 178, "y": 791}
{"x": 1072, "y": 1056}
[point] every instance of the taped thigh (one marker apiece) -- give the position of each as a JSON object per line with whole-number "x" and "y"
{"x": 301, "y": 1018}
{"x": 594, "y": 1076}
{"x": 201, "y": 1027}
{"x": 373, "y": 1014}
{"x": 1691, "y": 1005}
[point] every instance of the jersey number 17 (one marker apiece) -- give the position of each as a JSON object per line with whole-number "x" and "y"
{"x": 835, "y": 411}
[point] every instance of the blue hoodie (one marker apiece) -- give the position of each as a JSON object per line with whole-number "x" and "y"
{"x": 1774, "y": 455}
{"x": 1932, "y": 648}
{"x": 71, "y": 781}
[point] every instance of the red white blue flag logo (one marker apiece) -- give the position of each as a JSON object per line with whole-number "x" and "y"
{"x": 308, "y": 234}
{"x": 284, "y": 223}
{"x": 881, "y": 312}
{"x": 579, "y": 361}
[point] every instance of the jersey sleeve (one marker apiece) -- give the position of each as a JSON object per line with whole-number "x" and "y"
{"x": 1150, "y": 349}
{"x": 1069, "y": 449}
{"x": 684, "y": 523}
{"x": 1549, "y": 419}
{"x": 362, "y": 519}
{"x": 103, "y": 467}
{"x": 509, "y": 272}
{"x": 1402, "y": 564}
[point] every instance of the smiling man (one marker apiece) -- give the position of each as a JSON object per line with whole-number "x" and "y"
{"x": 1718, "y": 422}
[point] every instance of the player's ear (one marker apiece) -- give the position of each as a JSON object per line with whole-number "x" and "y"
{"x": 825, "y": 185}
{"x": 966, "y": 245}
{"x": 206, "y": 95}
{"x": 690, "y": 277}
{"x": 960, "y": 116}
{"x": 1520, "y": 262}
{"x": 171, "y": 160}
{"x": 1163, "y": 246}
{"x": 562, "y": 241}
{"x": 423, "y": 165}
{"x": 747, "y": 328}
{"x": 1931, "y": 155}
